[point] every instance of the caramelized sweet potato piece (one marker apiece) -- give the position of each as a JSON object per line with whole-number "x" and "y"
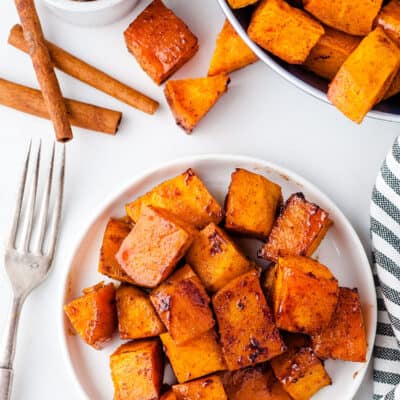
{"x": 185, "y": 196}
{"x": 137, "y": 317}
{"x": 258, "y": 383}
{"x": 183, "y": 305}
{"x": 209, "y": 388}
{"x": 344, "y": 338}
{"x": 170, "y": 395}
{"x": 231, "y": 52}
{"x": 160, "y": 41}
{"x": 215, "y": 258}
{"x": 330, "y": 52}
{"x": 389, "y": 20}
{"x": 298, "y": 230}
{"x": 116, "y": 231}
{"x": 93, "y": 315}
{"x": 300, "y": 371}
{"x": 366, "y": 75}
{"x": 137, "y": 370}
{"x": 241, "y": 3}
{"x": 394, "y": 87}
{"x": 285, "y": 31}
{"x": 191, "y": 99}
{"x": 352, "y": 16}
{"x": 246, "y": 326}
{"x": 155, "y": 245}
{"x": 199, "y": 357}
{"x": 252, "y": 204}
{"x": 305, "y": 295}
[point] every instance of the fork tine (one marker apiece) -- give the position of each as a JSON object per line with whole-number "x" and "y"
{"x": 55, "y": 223}
{"x": 20, "y": 196}
{"x": 44, "y": 208}
{"x": 27, "y": 224}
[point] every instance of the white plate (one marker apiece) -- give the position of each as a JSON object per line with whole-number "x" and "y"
{"x": 341, "y": 251}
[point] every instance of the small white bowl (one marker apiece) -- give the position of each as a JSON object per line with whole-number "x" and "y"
{"x": 91, "y": 13}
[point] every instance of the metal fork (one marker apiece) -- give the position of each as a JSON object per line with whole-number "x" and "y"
{"x": 27, "y": 262}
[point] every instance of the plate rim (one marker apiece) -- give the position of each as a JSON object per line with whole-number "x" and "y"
{"x": 210, "y": 157}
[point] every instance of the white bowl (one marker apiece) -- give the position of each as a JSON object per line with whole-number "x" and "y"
{"x": 341, "y": 250}
{"x": 91, "y": 13}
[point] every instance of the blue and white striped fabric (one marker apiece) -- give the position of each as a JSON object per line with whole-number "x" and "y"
{"x": 385, "y": 235}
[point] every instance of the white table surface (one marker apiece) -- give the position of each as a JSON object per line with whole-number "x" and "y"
{"x": 262, "y": 116}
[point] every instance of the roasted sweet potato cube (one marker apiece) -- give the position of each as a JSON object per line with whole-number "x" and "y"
{"x": 191, "y": 99}
{"x": 330, "y": 52}
{"x": 116, "y": 231}
{"x": 160, "y": 41}
{"x": 344, "y": 338}
{"x": 137, "y": 317}
{"x": 252, "y": 204}
{"x": 366, "y": 75}
{"x": 155, "y": 245}
{"x": 298, "y": 230}
{"x": 258, "y": 383}
{"x": 215, "y": 258}
{"x": 246, "y": 326}
{"x": 394, "y": 87}
{"x": 170, "y": 395}
{"x": 185, "y": 196}
{"x": 199, "y": 357}
{"x": 300, "y": 371}
{"x": 183, "y": 305}
{"x": 285, "y": 31}
{"x": 209, "y": 388}
{"x": 231, "y": 52}
{"x": 241, "y": 3}
{"x": 137, "y": 370}
{"x": 352, "y": 16}
{"x": 305, "y": 295}
{"x": 389, "y": 20}
{"x": 94, "y": 316}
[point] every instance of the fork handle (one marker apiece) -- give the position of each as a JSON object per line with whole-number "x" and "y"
{"x": 6, "y": 377}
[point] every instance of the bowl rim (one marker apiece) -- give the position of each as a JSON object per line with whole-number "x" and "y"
{"x": 83, "y": 6}
{"x": 120, "y": 190}
{"x": 267, "y": 59}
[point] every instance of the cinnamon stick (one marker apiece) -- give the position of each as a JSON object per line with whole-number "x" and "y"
{"x": 44, "y": 68}
{"x": 86, "y": 73}
{"x": 80, "y": 114}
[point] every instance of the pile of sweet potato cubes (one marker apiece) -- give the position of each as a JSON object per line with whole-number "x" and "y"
{"x": 189, "y": 295}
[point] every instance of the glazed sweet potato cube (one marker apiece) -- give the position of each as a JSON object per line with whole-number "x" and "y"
{"x": 299, "y": 229}
{"x": 183, "y": 305}
{"x": 94, "y": 315}
{"x": 394, "y": 87}
{"x": 209, "y": 388}
{"x": 246, "y": 326}
{"x": 257, "y": 382}
{"x": 300, "y": 371}
{"x": 366, "y": 75}
{"x": 305, "y": 295}
{"x": 116, "y": 231}
{"x": 191, "y": 99}
{"x": 155, "y": 245}
{"x": 215, "y": 258}
{"x": 137, "y": 317}
{"x": 199, "y": 357}
{"x": 352, "y": 16}
{"x": 344, "y": 338}
{"x": 331, "y": 51}
{"x": 241, "y": 3}
{"x": 170, "y": 395}
{"x": 252, "y": 204}
{"x": 285, "y": 31}
{"x": 231, "y": 52}
{"x": 137, "y": 370}
{"x": 184, "y": 195}
{"x": 389, "y": 20}
{"x": 160, "y": 41}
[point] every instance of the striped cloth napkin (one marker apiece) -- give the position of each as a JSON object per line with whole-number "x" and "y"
{"x": 385, "y": 235}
